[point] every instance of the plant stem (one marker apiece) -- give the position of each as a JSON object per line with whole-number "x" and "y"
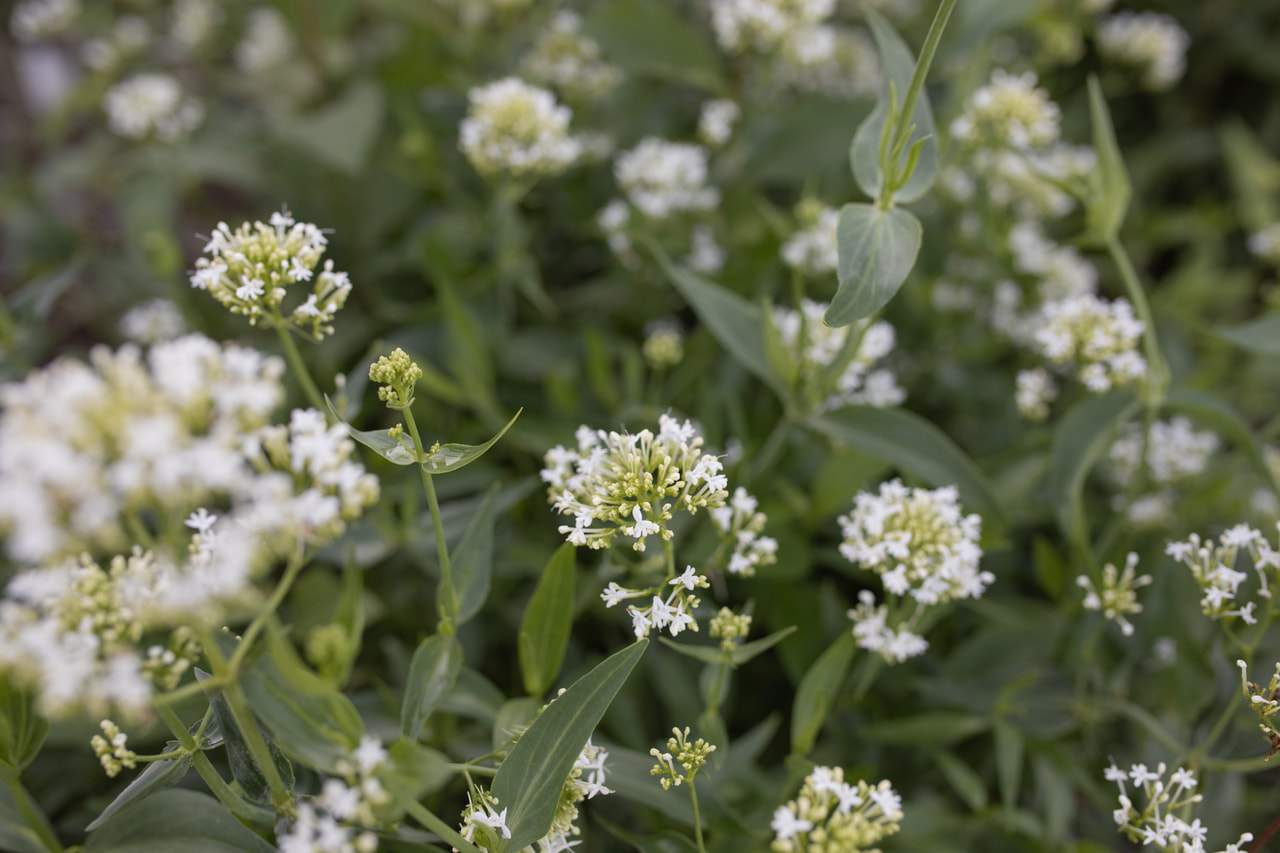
{"x": 1157, "y": 367}
{"x": 299, "y": 368}
{"x": 697, "y": 819}
{"x": 35, "y": 819}
{"x": 291, "y": 571}
{"x": 669, "y": 552}
{"x": 424, "y": 816}
{"x": 449, "y": 606}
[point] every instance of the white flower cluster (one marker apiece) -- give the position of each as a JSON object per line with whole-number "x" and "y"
{"x": 1149, "y": 42}
{"x": 662, "y": 178}
{"x": 674, "y": 612}
{"x": 632, "y": 483}
{"x": 268, "y": 42}
{"x": 1176, "y": 452}
{"x": 515, "y": 128}
{"x": 833, "y": 61}
{"x": 1036, "y": 390}
{"x": 331, "y": 823}
{"x": 706, "y": 255}
{"x": 1213, "y": 565}
{"x": 765, "y": 25}
{"x": 663, "y": 344}
{"x": 812, "y": 250}
{"x": 37, "y": 20}
{"x": 1099, "y": 338}
{"x": 151, "y": 105}
{"x": 872, "y": 631}
{"x": 716, "y": 121}
{"x": 1117, "y": 596}
{"x": 1266, "y": 244}
{"x": 1061, "y": 272}
{"x": 82, "y": 445}
{"x": 815, "y": 345}
{"x": 1009, "y": 112}
{"x": 569, "y": 60}
{"x": 250, "y": 269}
{"x": 1158, "y": 822}
{"x": 740, "y": 525}
{"x": 152, "y": 322}
{"x": 831, "y": 815}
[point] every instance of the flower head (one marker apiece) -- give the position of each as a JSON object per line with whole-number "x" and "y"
{"x": 1151, "y": 43}
{"x": 515, "y": 128}
{"x": 831, "y": 814}
{"x": 151, "y": 105}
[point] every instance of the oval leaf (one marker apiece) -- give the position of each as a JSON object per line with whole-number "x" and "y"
{"x": 434, "y": 669}
{"x": 877, "y": 250}
{"x": 818, "y": 690}
{"x": 545, "y": 628}
{"x": 530, "y": 780}
{"x": 917, "y": 447}
{"x": 175, "y": 819}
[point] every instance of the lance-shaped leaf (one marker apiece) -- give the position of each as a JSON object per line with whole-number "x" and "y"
{"x": 529, "y": 782}
{"x": 158, "y": 776}
{"x": 877, "y": 250}
{"x": 544, "y": 630}
{"x": 818, "y": 690}
{"x": 1260, "y": 336}
{"x": 1081, "y": 437}
{"x": 252, "y": 781}
{"x": 472, "y": 561}
{"x": 432, "y": 673}
{"x": 739, "y": 656}
{"x": 175, "y": 819}
{"x": 22, "y": 728}
{"x": 1109, "y": 188}
{"x": 864, "y": 155}
{"x": 451, "y": 457}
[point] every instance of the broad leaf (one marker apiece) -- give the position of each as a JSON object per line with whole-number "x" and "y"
{"x": 1080, "y": 439}
{"x": 898, "y": 65}
{"x": 378, "y": 440}
{"x": 915, "y": 446}
{"x": 547, "y": 622}
{"x": 818, "y": 690}
{"x": 877, "y": 250}
{"x": 472, "y": 561}
{"x": 1109, "y": 187}
{"x": 651, "y": 37}
{"x": 529, "y": 782}
{"x": 931, "y": 727}
{"x": 432, "y": 673}
{"x": 174, "y": 819}
{"x": 513, "y": 718}
{"x": 451, "y": 457}
{"x": 340, "y": 134}
{"x": 252, "y": 781}
{"x": 1260, "y": 336}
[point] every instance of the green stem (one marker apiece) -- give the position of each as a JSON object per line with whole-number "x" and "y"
{"x": 697, "y": 819}
{"x": 299, "y": 367}
{"x": 9, "y": 339}
{"x": 1238, "y": 765}
{"x": 424, "y": 816}
{"x": 1157, "y": 367}
{"x": 195, "y": 688}
{"x": 32, "y": 815}
{"x": 218, "y": 786}
{"x": 669, "y": 551}
{"x": 1197, "y": 755}
{"x": 449, "y": 605}
{"x": 291, "y": 571}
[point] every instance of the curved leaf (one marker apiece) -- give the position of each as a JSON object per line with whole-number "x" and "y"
{"x": 451, "y": 457}
{"x": 818, "y": 690}
{"x": 877, "y": 250}
{"x": 916, "y": 446}
{"x": 174, "y": 819}
{"x": 158, "y": 776}
{"x": 530, "y": 780}
{"x": 1081, "y": 437}
{"x": 547, "y": 622}
{"x": 1109, "y": 187}
{"x": 1261, "y": 335}
{"x": 432, "y": 673}
{"x": 472, "y": 561}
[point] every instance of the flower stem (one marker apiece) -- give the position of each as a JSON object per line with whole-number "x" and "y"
{"x": 291, "y": 571}
{"x": 1156, "y": 365}
{"x": 424, "y": 816}
{"x": 697, "y": 818}
{"x": 449, "y": 605}
{"x": 299, "y": 367}
{"x": 36, "y": 820}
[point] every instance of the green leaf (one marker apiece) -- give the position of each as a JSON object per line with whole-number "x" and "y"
{"x": 967, "y": 784}
{"x": 432, "y": 673}
{"x": 1260, "y": 335}
{"x": 649, "y": 37}
{"x": 529, "y": 782}
{"x": 472, "y": 561}
{"x": 779, "y": 355}
{"x": 15, "y": 835}
{"x": 933, "y": 727}
{"x": 864, "y": 155}
{"x": 706, "y": 654}
{"x": 1009, "y": 751}
{"x": 514, "y": 717}
{"x": 158, "y": 776}
{"x": 340, "y": 134}
{"x": 547, "y": 622}
{"x": 1213, "y": 412}
{"x": 252, "y": 781}
{"x": 308, "y": 717}
{"x": 747, "y": 651}
{"x": 413, "y": 772}
{"x": 451, "y": 457}
{"x": 818, "y": 690}
{"x": 666, "y": 841}
{"x": 735, "y": 322}
{"x": 877, "y": 250}
{"x": 1109, "y": 187}
{"x": 377, "y": 440}
{"x": 1081, "y": 437}
{"x": 915, "y": 446}
{"x": 22, "y": 728}
{"x": 174, "y": 819}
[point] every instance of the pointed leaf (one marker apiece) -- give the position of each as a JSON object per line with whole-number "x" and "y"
{"x": 342, "y": 133}
{"x": 666, "y": 841}
{"x": 915, "y": 446}
{"x": 514, "y": 717}
{"x": 15, "y": 835}
{"x": 964, "y": 781}
{"x": 432, "y": 673}
{"x": 529, "y": 782}
{"x": 472, "y": 561}
{"x": 1009, "y": 751}
{"x": 157, "y": 776}
{"x": 22, "y": 728}
{"x": 1109, "y": 187}
{"x": 877, "y": 251}
{"x": 175, "y": 819}
{"x": 747, "y": 651}
{"x": 931, "y": 727}
{"x": 735, "y": 322}
{"x": 377, "y": 440}
{"x": 1260, "y": 336}
{"x": 548, "y": 620}
{"x": 818, "y": 690}
{"x": 898, "y": 65}
{"x": 1081, "y": 437}
{"x": 451, "y": 457}
{"x": 252, "y": 781}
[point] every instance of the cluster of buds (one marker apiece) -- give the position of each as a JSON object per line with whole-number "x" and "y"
{"x": 570, "y": 60}
{"x": 1009, "y": 112}
{"x": 1118, "y": 594}
{"x": 517, "y": 129}
{"x": 1099, "y": 338}
{"x": 1265, "y": 702}
{"x": 691, "y": 756}
{"x": 730, "y": 628}
{"x": 111, "y": 749}
{"x": 831, "y": 815}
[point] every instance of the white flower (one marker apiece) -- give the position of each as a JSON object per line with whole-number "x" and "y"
{"x": 822, "y": 344}
{"x": 1035, "y": 391}
{"x": 716, "y": 121}
{"x": 152, "y": 322}
{"x": 268, "y": 42}
{"x": 661, "y": 178}
{"x": 36, "y": 20}
{"x": 812, "y": 249}
{"x": 1152, "y": 43}
{"x": 1009, "y": 112}
{"x": 517, "y": 128}
{"x": 569, "y": 60}
{"x": 151, "y": 105}
{"x": 762, "y": 25}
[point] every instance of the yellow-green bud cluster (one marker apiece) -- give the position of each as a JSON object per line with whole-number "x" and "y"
{"x": 111, "y": 750}
{"x": 663, "y": 347}
{"x": 692, "y": 757}
{"x": 567, "y": 59}
{"x": 730, "y": 627}
{"x": 832, "y": 816}
{"x": 165, "y": 665}
{"x": 1265, "y": 702}
{"x": 1118, "y": 594}
{"x": 398, "y": 376}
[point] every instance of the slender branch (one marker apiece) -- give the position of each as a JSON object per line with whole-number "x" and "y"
{"x": 448, "y": 607}
{"x": 1157, "y": 367}
{"x": 697, "y": 819}
{"x": 296, "y": 563}
{"x": 922, "y": 70}
{"x": 299, "y": 367}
